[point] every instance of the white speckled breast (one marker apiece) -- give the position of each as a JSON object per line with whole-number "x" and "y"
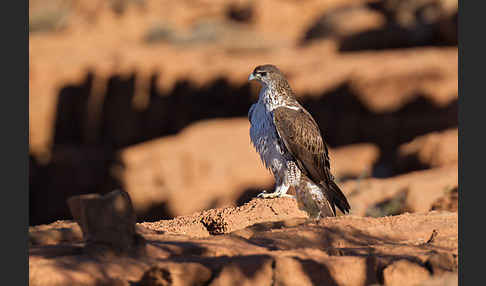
{"x": 264, "y": 137}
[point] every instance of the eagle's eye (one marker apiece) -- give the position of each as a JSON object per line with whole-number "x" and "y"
{"x": 263, "y": 73}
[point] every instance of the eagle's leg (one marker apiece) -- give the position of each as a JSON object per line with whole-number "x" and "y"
{"x": 280, "y": 192}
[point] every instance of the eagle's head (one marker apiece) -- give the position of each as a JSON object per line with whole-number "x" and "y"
{"x": 267, "y": 74}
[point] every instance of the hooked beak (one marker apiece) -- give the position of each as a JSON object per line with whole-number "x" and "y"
{"x": 251, "y": 77}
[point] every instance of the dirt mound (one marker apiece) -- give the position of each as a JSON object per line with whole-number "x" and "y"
{"x": 262, "y": 242}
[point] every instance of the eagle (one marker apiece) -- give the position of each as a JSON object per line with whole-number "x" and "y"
{"x": 291, "y": 146}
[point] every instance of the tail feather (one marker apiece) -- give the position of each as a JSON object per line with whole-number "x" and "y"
{"x": 327, "y": 208}
{"x": 337, "y": 197}
{"x": 320, "y": 200}
{"x": 313, "y": 199}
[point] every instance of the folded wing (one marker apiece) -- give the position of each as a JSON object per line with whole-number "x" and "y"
{"x": 301, "y": 136}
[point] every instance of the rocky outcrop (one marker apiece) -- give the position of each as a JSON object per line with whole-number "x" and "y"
{"x": 258, "y": 249}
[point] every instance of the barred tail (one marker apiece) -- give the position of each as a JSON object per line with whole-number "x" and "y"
{"x": 320, "y": 200}
{"x": 313, "y": 199}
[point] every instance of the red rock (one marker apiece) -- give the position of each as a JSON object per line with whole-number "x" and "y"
{"x": 420, "y": 189}
{"x": 344, "y": 21}
{"x": 249, "y": 270}
{"x": 448, "y": 202}
{"x": 353, "y": 160}
{"x": 227, "y": 220}
{"x": 345, "y": 250}
{"x": 54, "y": 233}
{"x": 173, "y": 169}
{"x": 449, "y": 279}
{"x": 403, "y": 272}
{"x": 431, "y": 150}
{"x": 107, "y": 222}
{"x": 176, "y": 274}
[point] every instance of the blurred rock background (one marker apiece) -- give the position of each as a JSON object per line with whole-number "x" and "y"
{"x": 152, "y": 96}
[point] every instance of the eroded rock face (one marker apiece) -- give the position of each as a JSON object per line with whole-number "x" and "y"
{"x": 278, "y": 248}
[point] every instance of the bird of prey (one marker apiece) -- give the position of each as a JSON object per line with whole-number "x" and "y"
{"x": 290, "y": 144}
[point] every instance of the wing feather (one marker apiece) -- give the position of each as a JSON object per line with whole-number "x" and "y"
{"x": 302, "y": 138}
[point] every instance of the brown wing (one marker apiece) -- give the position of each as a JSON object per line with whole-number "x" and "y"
{"x": 302, "y": 138}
